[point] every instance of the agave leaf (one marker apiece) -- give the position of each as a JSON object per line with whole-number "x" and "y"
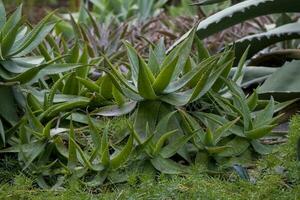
{"x": 36, "y": 149}
{"x": 153, "y": 62}
{"x": 287, "y": 74}
{"x": 162, "y": 141}
{"x": 252, "y": 101}
{"x": 261, "y": 148}
{"x": 265, "y": 115}
{"x": 216, "y": 149}
{"x": 263, "y": 40}
{"x": 260, "y": 131}
{"x": 74, "y": 54}
{"x": 72, "y": 157}
{"x": 9, "y": 39}
{"x": 134, "y": 61}
{"x": 116, "y": 110}
{"x": 71, "y": 85}
{"x": 164, "y": 77}
{"x": 144, "y": 84}
{"x": 174, "y": 146}
{"x": 56, "y": 109}
{"x": 163, "y": 124}
{"x": 239, "y": 13}
{"x": 94, "y": 132}
{"x": 118, "y": 97}
{"x": 238, "y": 75}
{"x": 167, "y": 166}
{"x": 12, "y": 21}
{"x": 33, "y": 120}
{"x": 209, "y": 137}
{"x": 190, "y": 76}
{"x": 123, "y": 155}
{"x": 35, "y": 37}
{"x": 8, "y": 110}
{"x": 2, "y": 14}
{"x": 54, "y": 89}
{"x": 219, "y": 132}
{"x": 104, "y": 151}
{"x": 237, "y": 146}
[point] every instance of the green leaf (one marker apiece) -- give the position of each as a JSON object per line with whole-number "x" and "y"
{"x": 9, "y": 111}
{"x": 164, "y": 77}
{"x": 105, "y": 160}
{"x": 2, "y": 14}
{"x": 12, "y": 21}
{"x": 54, "y": 89}
{"x": 134, "y": 61}
{"x": 162, "y": 141}
{"x": 287, "y": 74}
{"x": 144, "y": 84}
{"x": 236, "y": 147}
{"x": 35, "y": 37}
{"x": 261, "y": 148}
{"x": 2, "y": 132}
{"x": 167, "y": 166}
{"x": 72, "y": 156}
{"x": 118, "y": 97}
{"x": 94, "y": 132}
{"x": 265, "y": 115}
{"x": 174, "y": 146}
{"x": 260, "y": 132}
{"x": 252, "y": 101}
{"x": 116, "y": 110}
{"x": 123, "y": 155}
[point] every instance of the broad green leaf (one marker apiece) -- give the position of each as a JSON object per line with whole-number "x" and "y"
{"x": 8, "y": 112}
{"x": 261, "y": 148}
{"x": 167, "y": 166}
{"x": 116, "y": 110}
{"x": 236, "y": 147}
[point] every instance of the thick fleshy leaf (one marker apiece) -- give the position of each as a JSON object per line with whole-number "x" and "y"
{"x": 144, "y": 84}
{"x": 123, "y": 155}
{"x": 236, "y": 147}
{"x": 261, "y": 148}
{"x": 260, "y": 132}
{"x": 116, "y": 110}
{"x": 164, "y": 77}
{"x": 167, "y": 166}
{"x": 72, "y": 157}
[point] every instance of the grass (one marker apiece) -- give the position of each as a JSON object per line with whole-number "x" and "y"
{"x": 276, "y": 176}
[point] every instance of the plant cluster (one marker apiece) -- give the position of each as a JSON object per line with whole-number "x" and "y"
{"x": 81, "y": 109}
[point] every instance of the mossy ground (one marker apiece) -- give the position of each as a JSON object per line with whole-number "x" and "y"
{"x": 276, "y": 176}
